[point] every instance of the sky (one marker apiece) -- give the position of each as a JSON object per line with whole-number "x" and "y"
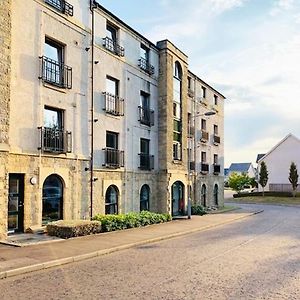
{"x": 249, "y": 50}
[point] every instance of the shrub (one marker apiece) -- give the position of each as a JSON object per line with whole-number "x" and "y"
{"x": 198, "y": 210}
{"x": 130, "y": 220}
{"x": 67, "y": 229}
{"x": 257, "y": 194}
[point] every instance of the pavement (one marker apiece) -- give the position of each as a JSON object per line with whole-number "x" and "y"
{"x": 52, "y": 253}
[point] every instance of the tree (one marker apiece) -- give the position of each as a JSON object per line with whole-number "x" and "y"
{"x": 237, "y": 181}
{"x": 293, "y": 177}
{"x": 263, "y": 176}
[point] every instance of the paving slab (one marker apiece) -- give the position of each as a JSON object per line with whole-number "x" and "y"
{"x": 20, "y": 260}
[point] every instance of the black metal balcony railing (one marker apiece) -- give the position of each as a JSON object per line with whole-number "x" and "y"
{"x": 55, "y": 140}
{"x": 217, "y": 139}
{"x": 146, "y": 116}
{"x": 113, "y": 46}
{"x": 146, "y": 161}
{"x": 204, "y": 136}
{"x": 217, "y": 169}
{"x": 191, "y": 93}
{"x": 55, "y": 73}
{"x": 113, "y": 104}
{"x": 204, "y": 168}
{"x": 146, "y": 66}
{"x": 113, "y": 158}
{"x": 62, "y": 5}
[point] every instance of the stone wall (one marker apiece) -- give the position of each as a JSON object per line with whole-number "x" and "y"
{"x": 5, "y": 46}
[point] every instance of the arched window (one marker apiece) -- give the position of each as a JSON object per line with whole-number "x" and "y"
{"x": 52, "y": 199}
{"x": 111, "y": 200}
{"x": 177, "y": 70}
{"x": 216, "y": 194}
{"x": 144, "y": 197}
{"x": 203, "y": 195}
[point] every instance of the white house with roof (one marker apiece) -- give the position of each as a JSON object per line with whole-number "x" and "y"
{"x": 278, "y": 161}
{"x": 242, "y": 168}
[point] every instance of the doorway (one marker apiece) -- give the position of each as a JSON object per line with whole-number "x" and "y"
{"x": 177, "y": 198}
{"x": 16, "y": 203}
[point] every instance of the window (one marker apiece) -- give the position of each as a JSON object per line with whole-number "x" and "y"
{"x": 53, "y": 70}
{"x": 176, "y": 151}
{"x": 110, "y": 42}
{"x": 203, "y": 92}
{"x": 146, "y": 160}
{"x": 216, "y": 130}
{"x": 215, "y": 99}
{"x": 216, "y": 159}
{"x": 189, "y": 82}
{"x": 53, "y": 136}
{"x": 61, "y": 5}
{"x": 203, "y": 195}
{"x": 203, "y": 124}
{"x": 112, "y": 140}
{"x": 111, "y": 200}
{"x": 145, "y": 146}
{"x": 112, "y": 86}
{"x": 146, "y": 115}
{"x": 203, "y": 157}
{"x": 144, "y": 197}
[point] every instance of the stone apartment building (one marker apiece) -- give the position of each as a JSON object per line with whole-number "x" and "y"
{"x": 95, "y": 118}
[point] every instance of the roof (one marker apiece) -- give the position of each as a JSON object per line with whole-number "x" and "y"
{"x": 259, "y": 156}
{"x": 277, "y": 145}
{"x": 239, "y": 167}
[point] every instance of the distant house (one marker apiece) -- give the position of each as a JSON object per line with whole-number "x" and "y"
{"x": 278, "y": 161}
{"x": 242, "y": 168}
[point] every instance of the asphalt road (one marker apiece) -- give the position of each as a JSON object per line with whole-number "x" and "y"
{"x": 255, "y": 258}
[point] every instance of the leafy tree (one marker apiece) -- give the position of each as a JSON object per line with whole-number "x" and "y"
{"x": 293, "y": 177}
{"x": 237, "y": 181}
{"x": 263, "y": 176}
{"x": 253, "y": 182}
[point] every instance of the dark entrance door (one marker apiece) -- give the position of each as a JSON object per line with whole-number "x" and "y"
{"x": 16, "y": 203}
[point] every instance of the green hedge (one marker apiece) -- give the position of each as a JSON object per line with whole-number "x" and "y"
{"x": 198, "y": 210}
{"x": 130, "y": 220}
{"x": 67, "y": 229}
{"x": 259, "y": 194}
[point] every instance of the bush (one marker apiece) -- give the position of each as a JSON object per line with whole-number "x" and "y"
{"x": 271, "y": 194}
{"x": 198, "y": 210}
{"x": 130, "y": 220}
{"x": 67, "y": 229}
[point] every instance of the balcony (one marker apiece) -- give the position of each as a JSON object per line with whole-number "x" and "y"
{"x": 146, "y": 116}
{"x": 217, "y": 140}
{"x": 114, "y": 105}
{"x": 55, "y": 140}
{"x": 204, "y": 136}
{"x": 217, "y": 169}
{"x": 146, "y": 66}
{"x": 204, "y": 168}
{"x": 113, "y": 46}
{"x": 62, "y": 6}
{"x": 113, "y": 158}
{"x": 191, "y": 93}
{"x": 146, "y": 161}
{"x": 55, "y": 73}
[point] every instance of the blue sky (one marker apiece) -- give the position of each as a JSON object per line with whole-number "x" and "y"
{"x": 247, "y": 49}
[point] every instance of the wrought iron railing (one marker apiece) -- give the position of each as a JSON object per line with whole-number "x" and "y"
{"x": 113, "y": 158}
{"x": 146, "y": 161}
{"x": 55, "y": 73}
{"x": 204, "y": 136}
{"x": 146, "y": 66}
{"x": 217, "y": 139}
{"x": 113, "y": 46}
{"x": 55, "y": 140}
{"x": 62, "y": 5}
{"x": 146, "y": 116}
{"x": 204, "y": 168}
{"x": 217, "y": 169}
{"x": 113, "y": 104}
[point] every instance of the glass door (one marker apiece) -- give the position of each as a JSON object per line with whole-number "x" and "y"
{"x": 16, "y": 203}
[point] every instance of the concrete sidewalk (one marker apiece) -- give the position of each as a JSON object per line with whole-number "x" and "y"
{"x": 16, "y": 261}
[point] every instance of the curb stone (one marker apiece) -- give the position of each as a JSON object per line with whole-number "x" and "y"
{"x": 81, "y": 257}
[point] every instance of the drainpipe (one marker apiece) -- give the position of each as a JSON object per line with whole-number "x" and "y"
{"x": 92, "y": 113}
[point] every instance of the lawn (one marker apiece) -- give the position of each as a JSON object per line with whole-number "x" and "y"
{"x": 268, "y": 199}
